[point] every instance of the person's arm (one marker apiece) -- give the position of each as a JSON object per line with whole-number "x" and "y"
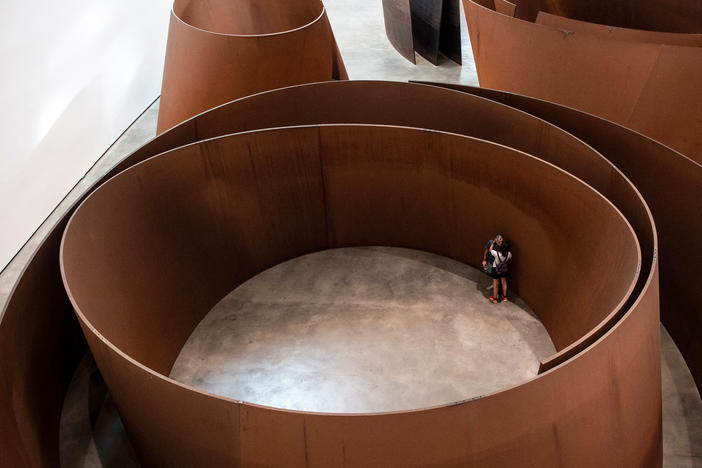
{"x": 485, "y": 255}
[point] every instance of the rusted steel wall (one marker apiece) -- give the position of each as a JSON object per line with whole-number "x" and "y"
{"x": 398, "y": 27}
{"x": 218, "y": 212}
{"x": 325, "y": 103}
{"x": 621, "y": 346}
{"x": 645, "y": 80}
{"x": 218, "y": 51}
{"x": 424, "y": 26}
{"x": 676, "y": 16}
{"x": 672, "y": 187}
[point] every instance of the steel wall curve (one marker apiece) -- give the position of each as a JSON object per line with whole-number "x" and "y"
{"x": 672, "y": 186}
{"x": 617, "y": 370}
{"x": 218, "y": 51}
{"x": 424, "y": 26}
{"x": 217, "y": 212}
{"x": 645, "y": 80}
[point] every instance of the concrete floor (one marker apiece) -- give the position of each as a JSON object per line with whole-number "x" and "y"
{"x": 364, "y": 329}
{"x": 360, "y": 329}
{"x": 92, "y": 434}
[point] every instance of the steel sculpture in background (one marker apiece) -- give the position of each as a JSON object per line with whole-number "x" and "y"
{"x": 219, "y": 50}
{"x": 429, "y": 27}
{"x": 635, "y": 63}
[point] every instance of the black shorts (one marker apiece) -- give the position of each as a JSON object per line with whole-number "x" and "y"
{"x": 496, "y": 275}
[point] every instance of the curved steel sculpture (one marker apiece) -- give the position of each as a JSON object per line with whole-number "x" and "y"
{"x": 222, "y": 50}
{"x": 607, "y": 372}
{"x": 640, "y": 66}
{"x": 217, "y": 212}
{"x": 424, "y": 26}
{"x": 646, "y": 163}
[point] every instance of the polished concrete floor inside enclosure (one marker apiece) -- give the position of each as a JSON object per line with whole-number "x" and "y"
{"x": 363, "y": 329}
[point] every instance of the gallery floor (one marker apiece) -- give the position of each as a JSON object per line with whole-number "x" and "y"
{"x": 364, "y": 329}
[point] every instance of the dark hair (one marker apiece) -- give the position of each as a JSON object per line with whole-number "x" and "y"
{"x": 504, "y": 248}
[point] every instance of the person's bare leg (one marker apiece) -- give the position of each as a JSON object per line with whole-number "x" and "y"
{"x": 495, "y": 288}
{"x": 504, "y": 287}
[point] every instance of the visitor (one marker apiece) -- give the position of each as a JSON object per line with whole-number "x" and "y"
{"x": 502, "y": 256}
{"x": 489, "y": 262}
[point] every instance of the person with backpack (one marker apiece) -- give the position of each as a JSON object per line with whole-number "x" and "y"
{"x": 488, "y": 259}
{"x": 501, "y": 256}
{"x": 489, "y": 263}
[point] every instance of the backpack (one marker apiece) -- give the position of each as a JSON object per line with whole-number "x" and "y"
{"x": 502, "y": 267}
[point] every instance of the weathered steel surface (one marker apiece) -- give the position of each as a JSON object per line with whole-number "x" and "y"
{"x": 677, "y": 16}
{"x": 327, "y": 103}
{"x": 264, "y": 197}
{"x": 398, "y": 27}
{"x": 424, "y": 26}
{"x": 672, "y": 187}
{"x": 222, "y": 50}
{"x": 646, "y": 80}
{"x": 40, "y": 345}
{"x": 450, "y": 31}
{"x": 547, "y": 418}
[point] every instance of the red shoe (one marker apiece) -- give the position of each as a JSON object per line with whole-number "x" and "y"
{"x": 493, "y": 300}
{"x": 504, "y": 299}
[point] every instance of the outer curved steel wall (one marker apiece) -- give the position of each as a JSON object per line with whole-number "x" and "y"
{"x": 617, "y": 373}
{"x": 143, "y": 263}
{"x": 646, "y": 80}
{"x": 274, "y": 44}
{"x": 672, "y": 186}
{"x": 324, "y": 103}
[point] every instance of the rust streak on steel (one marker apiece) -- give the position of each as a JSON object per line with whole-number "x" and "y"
{"x": 221, "y": 50}
{"x": 547, "y": 419}
{"x": 640, "y": 66}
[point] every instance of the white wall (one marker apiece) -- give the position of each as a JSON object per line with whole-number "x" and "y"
{"x": 74, "y": 74}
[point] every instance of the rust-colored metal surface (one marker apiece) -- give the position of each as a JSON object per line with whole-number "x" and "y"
{"x": 40, "y": 345}
{"x": 221, "y": 50}
{"x": 398, "y": 27}
{"x": 327, "y": 103}
{"x": 639, "y": 68}
{"x": 424, "y": 26}
{"x": 265, "y": 197}
{"x": 450, "y": 31}
{"x": 548, "y": 420}
{"x": 672, "y": 187}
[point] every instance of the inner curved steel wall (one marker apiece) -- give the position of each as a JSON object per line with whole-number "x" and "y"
{"x": 143, "y": 263}
{"x": 222, "y": 50}
{"x": 647, "y": 80}
{"x": 624, "y": 352}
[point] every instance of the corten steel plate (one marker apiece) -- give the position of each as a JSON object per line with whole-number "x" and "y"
{"x": 398, "y": 27}
{"x": 424, "y": 26}
{"x": 143, "y": 263}
{"x": 672, "y": 186}
{"x": 641, "y": 67}
{"x": 450, "y": 31}
{"x": 617, "y": 343}
{"x": 219, "y": 50}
